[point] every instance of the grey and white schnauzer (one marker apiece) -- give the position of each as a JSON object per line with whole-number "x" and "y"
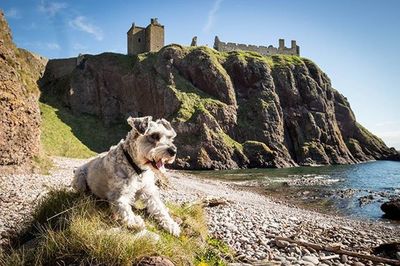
{"x": 127, "y": 172}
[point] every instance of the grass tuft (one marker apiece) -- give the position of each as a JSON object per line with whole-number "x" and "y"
{"x": 71, "y": 228}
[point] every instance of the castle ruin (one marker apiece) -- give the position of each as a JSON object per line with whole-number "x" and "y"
{"x": 264, "y": 50}
{"x": 149, "y": 39}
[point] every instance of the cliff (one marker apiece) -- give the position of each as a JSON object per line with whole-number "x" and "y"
{"x": 19, "y": 93}
{"x": 230, "y": 110}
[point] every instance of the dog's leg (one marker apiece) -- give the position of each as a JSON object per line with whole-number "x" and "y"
{"x": 79, "y": 180}
{"x": 156, "y": 208}
{"x": 124, "y": 210}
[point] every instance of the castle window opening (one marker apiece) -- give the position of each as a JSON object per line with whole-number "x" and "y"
{"x": 138, "y": 40}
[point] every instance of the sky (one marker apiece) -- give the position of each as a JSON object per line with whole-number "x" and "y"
{"x": 356, "y": 42}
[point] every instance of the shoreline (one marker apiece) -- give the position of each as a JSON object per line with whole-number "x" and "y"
{"x": 251, "y": 217}
{"x": 246, "y": 223}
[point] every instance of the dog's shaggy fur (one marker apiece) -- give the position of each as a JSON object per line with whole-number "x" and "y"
{"x": 121, "y": 180}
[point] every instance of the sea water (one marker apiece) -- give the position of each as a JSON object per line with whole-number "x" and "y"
{"x": 380, "y": 179}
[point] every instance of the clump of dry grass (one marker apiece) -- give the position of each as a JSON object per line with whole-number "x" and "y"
{"x": 70, "y": 228}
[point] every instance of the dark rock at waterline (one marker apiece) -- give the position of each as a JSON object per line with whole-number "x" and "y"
{"x": 366, "y": 199}
{"x": 388, "y": 250}
{"x": 392, "y": 209}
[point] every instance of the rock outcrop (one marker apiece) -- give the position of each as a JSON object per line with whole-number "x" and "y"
{"x": 392, "y": 209}
{"x": 19, "y": 108}
{"x": 230, "y": 110}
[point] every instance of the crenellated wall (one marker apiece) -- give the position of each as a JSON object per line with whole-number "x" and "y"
{"x": 264, "y": 50}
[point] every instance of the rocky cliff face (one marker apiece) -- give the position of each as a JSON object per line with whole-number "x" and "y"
{"x": 19, "y": 109}
{"x": 230, "y": 110}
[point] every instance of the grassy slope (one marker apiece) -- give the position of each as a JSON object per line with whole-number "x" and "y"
{"x": 57, "y": 137}
{"x": 73, "y": 228}
{"x": 69, "y": 135}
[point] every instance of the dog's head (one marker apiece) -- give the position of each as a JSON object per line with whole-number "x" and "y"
{"x": 154, "y": 144}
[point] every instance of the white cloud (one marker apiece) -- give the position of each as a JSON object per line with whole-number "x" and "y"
{"x": 78, "y": 46}
{"x": 29, "y": 26}
{"x": 81, "y": 23}
{"x": 211, "y": 16}
{"x": 51, "y": 8}
{"x": 13, "y": 13}
{"x": 42, "y": 45}
{"x": 53, "y": 46}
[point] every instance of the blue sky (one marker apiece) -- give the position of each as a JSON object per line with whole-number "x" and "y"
{"x": 354, "y": 41}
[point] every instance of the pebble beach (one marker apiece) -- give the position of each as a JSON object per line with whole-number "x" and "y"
{"x": 253, "y": 225}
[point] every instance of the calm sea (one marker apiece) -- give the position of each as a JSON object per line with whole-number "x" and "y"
{"x": 380, "y": 179}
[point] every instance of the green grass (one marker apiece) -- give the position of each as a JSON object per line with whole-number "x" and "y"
{"x": 58, "y": 138}
{"x": 229, "y": 141}
{"x": 192, "y": 99}
{"x": 76, "y": 136}
{"x": 272, "y": 61}
{"x": 245, "y": 56}
{"x": 255, "y": 146}
{"x": 70, "y": 228}
{"x": 285, "y": 60}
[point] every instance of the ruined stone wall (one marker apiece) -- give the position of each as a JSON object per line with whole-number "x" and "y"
{"x": 264, "y": 50}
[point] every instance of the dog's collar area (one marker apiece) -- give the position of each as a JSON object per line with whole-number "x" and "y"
{"x": 137, "y": 169}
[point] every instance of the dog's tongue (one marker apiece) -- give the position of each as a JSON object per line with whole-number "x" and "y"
{"x": 160, "y": 166}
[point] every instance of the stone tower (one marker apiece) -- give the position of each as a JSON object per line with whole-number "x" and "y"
{"x": 149, "y": 39}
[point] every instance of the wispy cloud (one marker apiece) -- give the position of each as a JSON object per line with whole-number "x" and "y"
{"x": 13, "y": 13}
{"x": 51, "y": 8}
{"x": 211, "y": 16}
{"x": 53, "y": 46}
{"x": 42, "y": 45}
{"x": 29, "y": 26}
{"x": 79, "y": 47}
{"x": 81, "y": 23}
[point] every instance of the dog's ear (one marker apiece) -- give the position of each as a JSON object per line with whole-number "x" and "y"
{"x": 167, "y": 125}
{"x": 140, "y": 123}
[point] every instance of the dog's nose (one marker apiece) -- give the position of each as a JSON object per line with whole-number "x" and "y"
{"x": 171, "y": 151}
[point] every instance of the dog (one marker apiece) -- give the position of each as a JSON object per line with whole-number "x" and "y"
{"x": 127, "y": 172}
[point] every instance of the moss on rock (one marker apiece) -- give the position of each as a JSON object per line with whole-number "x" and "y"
{"x": 258, "y": 153}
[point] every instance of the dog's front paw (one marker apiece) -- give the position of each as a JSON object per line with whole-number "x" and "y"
{"x": 173, "y": 228}
{"x": 134, "y": 222}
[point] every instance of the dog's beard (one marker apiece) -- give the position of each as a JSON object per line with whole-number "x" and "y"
{"x": 159, "y": 157}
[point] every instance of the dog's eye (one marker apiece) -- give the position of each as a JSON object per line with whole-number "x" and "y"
{"x": 155, "y": 136}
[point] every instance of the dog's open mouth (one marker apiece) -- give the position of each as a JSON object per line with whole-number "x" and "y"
{"x": 159, "y": 165}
